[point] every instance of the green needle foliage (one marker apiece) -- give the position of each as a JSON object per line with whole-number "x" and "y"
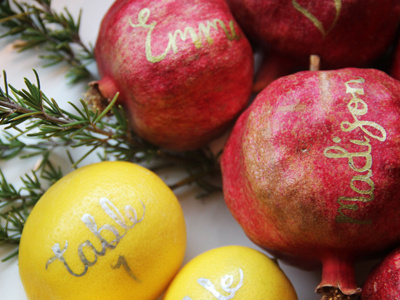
{"x": 15, "y": 203}
{"x": 56, "y": 33}
{"x": 33, "y": 125}
{"x": 29, "y": 115}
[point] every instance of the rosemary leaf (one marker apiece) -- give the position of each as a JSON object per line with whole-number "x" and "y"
{"x": 56, "y": 33}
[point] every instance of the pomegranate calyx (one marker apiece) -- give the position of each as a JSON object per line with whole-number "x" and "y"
{"x": 338, "y": 278}
{"x": 333, "y": 293}
{"x": 94, "y": 98}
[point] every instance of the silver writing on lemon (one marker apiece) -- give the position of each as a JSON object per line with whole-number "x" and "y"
{"x": 87, "y": 252}
{"x": 204, "y": 30}
{"x": 123, "y": 263}
{"x": 357, "y": 107}
{"x": 226, "y": 285}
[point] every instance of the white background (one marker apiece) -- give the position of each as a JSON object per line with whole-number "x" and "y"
{"x": 209, "y": 223}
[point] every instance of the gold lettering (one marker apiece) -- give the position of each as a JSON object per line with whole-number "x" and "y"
{"x": 317, "y": 23}
{"x": 339, "y": 152}
{"x": 357, "y": 107}
{"x": 342, "y": 218}
{"x": 363, "y": 125}
{"x": 173, "y": 37}
{"x": 367, "y": 180}
{"x": 354, "y": 91}
{"x": 203, "y": 30}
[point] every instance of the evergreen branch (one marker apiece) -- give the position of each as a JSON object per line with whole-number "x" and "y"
{"x": 35, "y": 125}
{"x": 35, "y": 117}
{"x": 15, "y": 204}
{"x": 57, "y": 33}
{"x": 45, "y": 120}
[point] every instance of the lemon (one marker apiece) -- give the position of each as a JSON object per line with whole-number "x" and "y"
{"x": 106, "y": 231}
{"x": 231, "y": 272}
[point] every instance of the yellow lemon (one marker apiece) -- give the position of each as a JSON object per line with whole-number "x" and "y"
{"x": 107, "y": 231}
{"x": 231, "y": 272}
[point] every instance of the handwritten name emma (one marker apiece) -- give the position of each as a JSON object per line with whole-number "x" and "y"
{"x": 106, "y": 245}
{"x": 357, "y": 107}
{"x": 204, "y": 29}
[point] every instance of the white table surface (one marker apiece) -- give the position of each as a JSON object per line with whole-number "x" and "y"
{"x": 209, "y": 223}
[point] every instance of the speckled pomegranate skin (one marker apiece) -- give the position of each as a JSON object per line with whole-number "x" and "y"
{"x": 311, "y": 170}
{"x": 383, "y": 283}
{"x": 179, "y": 94}
{"x": 344, "y": 33}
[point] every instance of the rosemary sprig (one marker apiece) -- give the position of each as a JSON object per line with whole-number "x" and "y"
{"x": 46, "y": 121}
{"x": 43, "y": 119}
{"x": 35, "y": 125}
{"x": 16, "y": 204}
{"x": 57, "y": 33}
{"x": 32, "y": 116}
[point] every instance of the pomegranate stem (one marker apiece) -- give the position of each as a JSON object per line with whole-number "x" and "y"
{"x": 314, "y": 63}
{"x": 338, "y": 279}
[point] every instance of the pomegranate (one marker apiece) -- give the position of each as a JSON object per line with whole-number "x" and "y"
{"x": 395, "y": 68}
{"x": 183, "y": 69}
{"x": 311, "y": 171}
{"x": 344, "y": 33}
{"x": 273, "y": 65}
{"x": 383, "y": 283}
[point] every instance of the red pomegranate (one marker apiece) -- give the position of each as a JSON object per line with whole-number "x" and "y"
{"x": 344, "y": 33}
{"x": 383, "y": 283}
{"x": 395, "y": 68}
{"x": 311, "y": 170}
{"x": 183, "y": 69}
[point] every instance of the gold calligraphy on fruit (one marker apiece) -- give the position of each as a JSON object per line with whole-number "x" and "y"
{"x": 204, "y": 29}
{"x": 317, "y": 23}
{"x": 357, "y": 107}
{"x": 125, "y": 223}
